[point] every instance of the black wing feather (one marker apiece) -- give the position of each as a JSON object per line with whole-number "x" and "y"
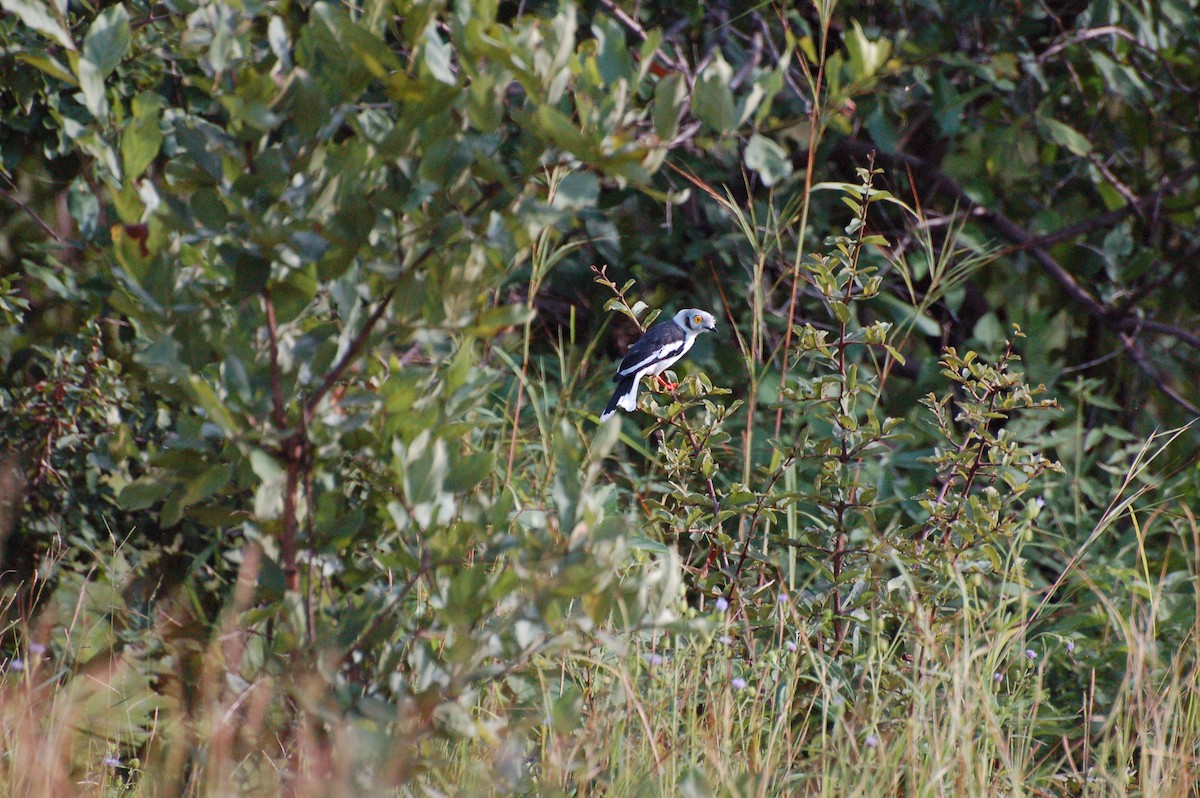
{"x": 658, "y": 336}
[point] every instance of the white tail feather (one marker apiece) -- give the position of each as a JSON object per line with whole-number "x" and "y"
{"x": 626, "y": 400}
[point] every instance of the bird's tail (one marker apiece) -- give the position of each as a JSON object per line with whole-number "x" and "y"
{"x": 625, "y": 397}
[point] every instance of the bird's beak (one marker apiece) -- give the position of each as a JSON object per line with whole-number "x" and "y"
{"x": 712, "y": 326}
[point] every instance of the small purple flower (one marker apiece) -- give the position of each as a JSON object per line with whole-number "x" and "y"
{"x": 653, "y": 659}
{"x": 725, "y": 640}
{"x": 16, "y": 665}
{"x": 997, "y": 676}
{"x": 791, "y": 645}
{"x": 1030, "y": 654}
{"x": 721, "y": 604}
{"x": 872, "y": 741}
{"x": 738, "y": 683}
{"x": 111, "y": 762}
{"x": 782, "y": 598}
{"x": 1070, "y": 646}
{"x": 37, "y": 648}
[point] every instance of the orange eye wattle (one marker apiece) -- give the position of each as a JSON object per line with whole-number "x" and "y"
{"x": 697, "y": 319}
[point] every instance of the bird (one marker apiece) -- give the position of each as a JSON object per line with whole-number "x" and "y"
{"x": 655, "y": 352}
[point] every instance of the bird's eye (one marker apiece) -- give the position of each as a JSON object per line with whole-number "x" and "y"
{"x": 697, "y": 319}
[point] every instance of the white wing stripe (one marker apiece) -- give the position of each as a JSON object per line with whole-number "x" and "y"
{"x": 662, "y": 353}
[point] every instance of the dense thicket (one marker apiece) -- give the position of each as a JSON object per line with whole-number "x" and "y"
{"x": 309, "y": 311}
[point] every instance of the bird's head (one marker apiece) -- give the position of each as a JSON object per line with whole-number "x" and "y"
{"x": 695, "y": 320}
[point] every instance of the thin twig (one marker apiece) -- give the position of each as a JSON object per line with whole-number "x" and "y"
{"x": 29, "y": 211}
{"x": 1111, "y": 218}
{"x": 293, "y": 458}
{"x": 360, "y": 339}
{"x": 1135, "y": 350}
{"x": 1121, "y": 320}
{"x": 352, "y": 352}
{"x": 149, "y": 20}
{"x": 640, "y": 32}
{"x": 1085, "y": 35}
{"x": 814, "y": 124}
{"x": 1125, "y": 191}
{"x": 278, "y": 412}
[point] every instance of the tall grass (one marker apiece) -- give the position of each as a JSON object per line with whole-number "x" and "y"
{"x": 967, "y": 716}
{"x": 696, "y": 708}
{"x": 110, "y": 694}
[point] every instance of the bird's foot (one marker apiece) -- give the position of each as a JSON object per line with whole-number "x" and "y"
{"x": 667, "y": 386}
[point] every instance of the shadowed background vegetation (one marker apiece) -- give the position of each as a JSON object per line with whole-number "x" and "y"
{"x": 308, "y": 310}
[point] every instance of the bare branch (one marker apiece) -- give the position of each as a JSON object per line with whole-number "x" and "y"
{"x": 1107, "y": 220}
{"x": 11, "y": 197}
{"x": 1135, "y": 350}
{"x": 636, "y": 28}
{"x": 278, "y": 412}
{"x": 335, "y": 372}
{"x": 1085, "y": 35}
{"x": 1120, "y": 320}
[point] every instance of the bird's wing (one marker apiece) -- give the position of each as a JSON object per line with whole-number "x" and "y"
{"x": 658, "y": 343}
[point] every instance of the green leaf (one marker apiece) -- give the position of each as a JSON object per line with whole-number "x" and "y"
{"x": 866, "y": 57}
{"x": 368, "y": 50}
{"x": 639, "y": 543}
{"x": 485, "y": 102}
{"x": 206, "y": 397}
{"x": 1120, "y": 78}
{"x": 209, "y": 209}
{"x": 294, "y": 294}
{"x": 438, "y": 56}
{"x": 250, "y": 270}
{"x": 494, "y": 320}
{"x": 104, "y": 46}
{"x": 768, "y": 159}
{"x": 144, "y": 492}
{"x": 142, "y": 138}
{"x": 988, "y": 330}
{"x": 207, "y": 484}
{"x": 50, "y": 66}
{"x": 895, "y": 353}
{"x": 613, "y": 60}
{"x": 1065, "y": 135}
{"x": 552, "y": 124}
{"x": 280, "y": 41}
{"x": 268, "y": 498}
{"x": 470, "y": 471}
{"x": 39, "y": 17}
{"x": 669, "y": 96}
{"x": 712, "y": 100}
{"x": 107, "y": 39}
{"x": 577, "y": 191}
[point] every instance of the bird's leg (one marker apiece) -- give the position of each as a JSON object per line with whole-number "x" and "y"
{"x": 668, "y": 386}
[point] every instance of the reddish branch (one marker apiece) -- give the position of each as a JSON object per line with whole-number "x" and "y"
{"x": 295, "y": 450}
{"x": 352, "y": 352}
{"x": 814, "y": 128}
{"x": 278, "y": 412}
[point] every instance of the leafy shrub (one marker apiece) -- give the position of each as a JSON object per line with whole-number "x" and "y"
{"x": 303, "y": 354}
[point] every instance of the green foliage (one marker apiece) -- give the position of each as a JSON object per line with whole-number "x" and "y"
{"x": 306, "y": 310}
{"x": 75, "y": 430}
